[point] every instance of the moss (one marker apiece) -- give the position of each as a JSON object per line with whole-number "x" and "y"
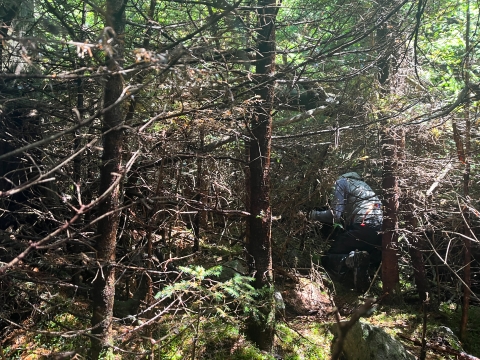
{"x": 303, "y": 341}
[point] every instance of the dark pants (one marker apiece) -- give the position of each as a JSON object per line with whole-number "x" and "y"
{"x": 358, "y": 237}
{"x": 355, "y": 237}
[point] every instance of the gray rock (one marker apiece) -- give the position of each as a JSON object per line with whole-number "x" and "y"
{"x": 279, "y": 303}
{"x": 368, "y": 342}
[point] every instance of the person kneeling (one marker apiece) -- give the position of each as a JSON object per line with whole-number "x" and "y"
{"x": 357, "y": 206}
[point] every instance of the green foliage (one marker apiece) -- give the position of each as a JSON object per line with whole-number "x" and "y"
{"x": 216, "y": 339}
{"x": 442, "y": 43}
{"x": 210, "y": 292}
{"x": 313, "y": 343}
{"x": 107, "y": 355}
{"x": 60, "y": 323}
{"x": 222, "y": 306}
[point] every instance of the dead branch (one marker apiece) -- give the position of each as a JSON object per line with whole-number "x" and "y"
{"x": 79, "y": 212}
{"x": 440, "y": 176}
{"x": 344, "y": 328}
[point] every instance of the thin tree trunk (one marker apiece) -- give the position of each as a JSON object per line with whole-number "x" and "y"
{"x": 467, "y": 257}
{"x": 390, "y": 272}
{"x": 200, "y": 216}
{"x": 260, "y": 242}
{"x": 104, "y": 284}
{"x": 77, "y": 162}
{"x": 152, "y": 220}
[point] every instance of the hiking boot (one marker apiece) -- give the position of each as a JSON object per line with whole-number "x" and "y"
{"x": 359, "y": 261}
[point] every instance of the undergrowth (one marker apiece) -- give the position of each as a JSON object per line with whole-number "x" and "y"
{"x": 207, "y": 323}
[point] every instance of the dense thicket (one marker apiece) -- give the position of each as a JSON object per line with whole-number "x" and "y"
{"x": 143, "y": 142}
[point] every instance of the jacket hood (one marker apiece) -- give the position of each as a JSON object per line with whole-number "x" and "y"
{"x": 352, "y": 175}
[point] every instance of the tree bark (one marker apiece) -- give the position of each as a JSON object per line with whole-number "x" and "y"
{"x": 104, "y": 284}
{"x": 390, "y": 272}
{"x": 260, "y": 242}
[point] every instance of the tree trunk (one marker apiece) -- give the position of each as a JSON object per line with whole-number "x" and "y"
{"x": 467, "y": 257}
{"x": 390, "y": 273}
{"x": 104, "y": 284}
{"x": 260, "y": 242}
{"x": 200, "y": 219}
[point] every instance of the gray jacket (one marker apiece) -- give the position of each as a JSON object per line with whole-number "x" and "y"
{"x": 356, "y": 202}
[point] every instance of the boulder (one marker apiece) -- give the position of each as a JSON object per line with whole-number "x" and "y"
{"x": 368, "y": 342}
{"x": 307, "y": 298}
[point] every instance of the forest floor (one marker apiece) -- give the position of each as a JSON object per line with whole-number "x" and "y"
{"x": 298, "y": 337}
{"x": 56, "y": 327}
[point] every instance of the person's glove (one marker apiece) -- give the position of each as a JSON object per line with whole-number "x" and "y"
{"x": 325, "y": 216}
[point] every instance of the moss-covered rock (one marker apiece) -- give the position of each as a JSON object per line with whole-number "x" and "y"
{"x": 368, "y": 342}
